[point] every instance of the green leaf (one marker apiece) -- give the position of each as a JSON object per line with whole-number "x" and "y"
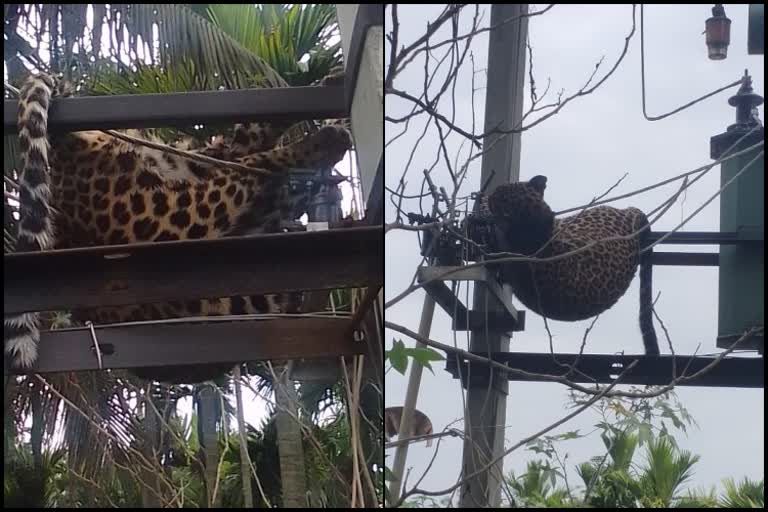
{"x": 573, "y": 434}
{"x": 398, "y": 356}
{"x": 424, "y": 355}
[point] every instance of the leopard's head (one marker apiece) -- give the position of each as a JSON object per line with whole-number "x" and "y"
{"x": 522, "y": 201}
{"x": 522, "y": 215}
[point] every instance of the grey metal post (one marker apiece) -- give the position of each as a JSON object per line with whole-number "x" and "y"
{"x": 487, "y": 407}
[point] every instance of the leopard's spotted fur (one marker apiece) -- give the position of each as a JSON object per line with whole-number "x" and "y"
{"x": 88, "y": 188}
{"x": 582, "y": 285}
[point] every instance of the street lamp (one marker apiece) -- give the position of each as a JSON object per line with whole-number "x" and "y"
{"x": 718, "y": 30}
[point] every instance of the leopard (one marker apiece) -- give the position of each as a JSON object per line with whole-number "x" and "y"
{"x": 578, "y": 286}
{"x": 89, "y": 188}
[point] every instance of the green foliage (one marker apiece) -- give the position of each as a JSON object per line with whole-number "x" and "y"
{"x": 52, "y": 484}
{"x": 292, "y": 38}
{"x": 536, "y": 487}
{"x": 427, "y": 502}
{"x": 399, "y": 354}
{"x": 330, "y": 454}
{"x": 745, "y": 494}
{"x": 30, "y": 485}
{"x": 616, "y": 478}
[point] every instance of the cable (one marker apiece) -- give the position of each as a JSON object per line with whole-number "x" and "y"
{"x": 338, "y": 315}
{"x": 642, "y": 80}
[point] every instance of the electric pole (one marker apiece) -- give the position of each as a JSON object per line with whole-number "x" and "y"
{"x": 487, "y": 404}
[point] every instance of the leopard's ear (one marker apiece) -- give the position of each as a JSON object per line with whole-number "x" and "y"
{"x": 539, "y": 183}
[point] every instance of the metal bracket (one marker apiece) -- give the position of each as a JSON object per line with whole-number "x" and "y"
{"x": 509, "y": 319}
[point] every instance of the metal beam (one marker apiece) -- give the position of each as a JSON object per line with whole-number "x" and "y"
{"x": 155, "y": 110}
{"x": 704, "y": 237}
{"x": 686, "y": 259}
{"x": 153, "y": 272}
{"x": 507, "y": 314}
{"x": 374, "y": 207}
{"x": 444, "y": 296}
{"x": 153, "y": 344}
{"x": 366, "y": 16}
{"x": 491, "y": 321}
{"x": 362, "y": 38}
{"x": 603, "y": 368}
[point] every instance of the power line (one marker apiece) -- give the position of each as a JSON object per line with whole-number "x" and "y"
{"x": 642, "y": 79}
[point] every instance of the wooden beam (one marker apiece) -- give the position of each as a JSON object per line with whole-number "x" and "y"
{"x": 156, "y": 110}
{"x": 153, "y": 272}
{"x": 154, "y": 344}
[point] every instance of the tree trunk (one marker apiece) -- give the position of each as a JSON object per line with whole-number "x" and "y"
{"x": 151, "y": 426}
{"x": 289, "y": 444}
{"x": 245, "y": 461}
{"x": 207, "y": 415}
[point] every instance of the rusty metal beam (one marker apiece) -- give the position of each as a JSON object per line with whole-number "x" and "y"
{"x": 152, "y": 345}
{"x": 153, "y": 272}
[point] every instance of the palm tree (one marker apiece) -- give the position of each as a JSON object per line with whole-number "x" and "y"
{"x": 745, "y": 494}
{"x": 613, "y": 482}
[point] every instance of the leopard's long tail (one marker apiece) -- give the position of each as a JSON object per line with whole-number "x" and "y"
{"x": 21, "y": 331}
{"x": 647, "y": 330}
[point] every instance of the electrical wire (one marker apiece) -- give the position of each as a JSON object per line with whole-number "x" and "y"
{"x": 642, "y": 80}
{"x": 338, "y": 315}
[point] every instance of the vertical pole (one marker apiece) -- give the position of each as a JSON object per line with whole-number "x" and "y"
{"x": 487, "y": 405}
{"x": 412, "y": 393}
{"x": 367, "y": 115}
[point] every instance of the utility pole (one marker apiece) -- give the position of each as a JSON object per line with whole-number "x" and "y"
{"x": 411, "y": 395}
{"x": 487, "y": 405}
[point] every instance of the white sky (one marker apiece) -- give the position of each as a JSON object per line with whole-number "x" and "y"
{"x": 255, "y": 408}
{"x": 583, "y": 150}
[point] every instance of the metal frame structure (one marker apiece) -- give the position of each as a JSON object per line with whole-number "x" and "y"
{"x": 157, "y": 271}
{"x": 148, "y": 344}
{"x": 127, "y": 274}
{"x": 604, "y": 368}
{"x": 362, "y": 30}
{"x": 592, "y": 368}
{"x": 153, "y": 110}
{"x": 362, "y": 38}
{"x": 493, "y": 317}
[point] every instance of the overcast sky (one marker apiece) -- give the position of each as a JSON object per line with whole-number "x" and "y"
{"x": 584, "y": 150}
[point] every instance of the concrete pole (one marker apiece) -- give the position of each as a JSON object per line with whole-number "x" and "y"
{"x": 487, "y": 406}
{"x": 411, "y": 395}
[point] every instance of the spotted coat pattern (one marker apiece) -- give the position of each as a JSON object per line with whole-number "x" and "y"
{"x": 581, "y": 285}
{"x": 88, "y": 188}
